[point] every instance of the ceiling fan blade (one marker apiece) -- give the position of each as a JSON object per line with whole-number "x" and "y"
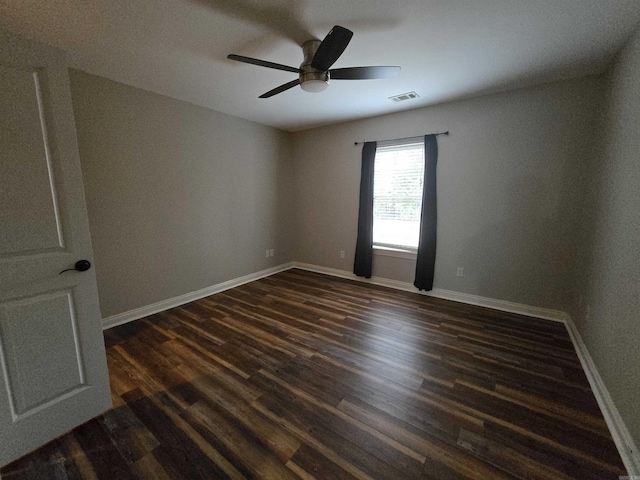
{"x": 331, "y": 48}
{"x": 363, "y": 73}
{"x": 262, "y": 63}
{"x": 281, "y": 88}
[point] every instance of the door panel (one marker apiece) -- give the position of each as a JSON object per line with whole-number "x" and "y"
{"x": 27, "y": 211}
{"x": 53, "y": 373}
{"x": 39, "y": 350}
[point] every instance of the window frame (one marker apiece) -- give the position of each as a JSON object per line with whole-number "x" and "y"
{"x": 387, "y": 249}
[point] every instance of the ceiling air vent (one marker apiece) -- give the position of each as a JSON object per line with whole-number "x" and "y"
{"x": 404, "y": 96}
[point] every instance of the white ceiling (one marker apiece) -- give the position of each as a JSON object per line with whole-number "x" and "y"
{"x": 448, "y": 49}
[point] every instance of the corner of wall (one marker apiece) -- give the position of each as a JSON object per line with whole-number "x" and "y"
{"x": 606, "y": 279}
{"x": 621, "y": 436}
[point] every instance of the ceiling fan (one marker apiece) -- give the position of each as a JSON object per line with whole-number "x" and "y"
{"x": 314, "y": 72}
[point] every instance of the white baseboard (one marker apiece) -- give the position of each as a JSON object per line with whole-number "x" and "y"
{"x": 467, "y": 298}
{"x": 163, "y": 305}
{"x": 624, "y": 441}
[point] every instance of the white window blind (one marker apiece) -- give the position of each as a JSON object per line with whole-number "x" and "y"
{"x": 397, "y": 195}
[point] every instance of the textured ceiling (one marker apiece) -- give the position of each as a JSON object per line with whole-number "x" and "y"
{"x": 448, "y": 49}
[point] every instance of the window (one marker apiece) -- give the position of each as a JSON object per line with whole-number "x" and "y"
{"x": 397, "y": 195}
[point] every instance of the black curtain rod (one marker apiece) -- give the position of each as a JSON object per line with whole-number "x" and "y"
{"x": 405, "y": 138}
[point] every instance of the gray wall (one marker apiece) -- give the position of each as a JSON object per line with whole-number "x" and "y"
{"x": 609, "y": 277}
{"x": 180, "y": 197}
{"x": 509, "y": 179}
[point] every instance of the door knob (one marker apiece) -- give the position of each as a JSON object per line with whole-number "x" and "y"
{"x": 80, "y": 266}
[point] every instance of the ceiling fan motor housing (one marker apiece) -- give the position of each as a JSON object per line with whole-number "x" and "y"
{"x": 312, "y": 79}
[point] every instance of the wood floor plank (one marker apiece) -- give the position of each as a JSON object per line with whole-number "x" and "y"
{"x": 180, "y": 452}
{"x": 50, "y": 463}
{"x": 285, "y": 407}
{"x": 237, "y": 443}
{"x": 348, "y": 426}
{"x": 105, "y": 458}
{"x": 309, "y": 463}
{"x": 505, "y": 458}
{"x": 300, "y": 375}
{"x": 215, "y": 392}
{"x": 149, "y": 468}
{"x": 129, "y": 435}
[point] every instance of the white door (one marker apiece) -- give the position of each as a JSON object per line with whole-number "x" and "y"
{"x": 53, "y": 372}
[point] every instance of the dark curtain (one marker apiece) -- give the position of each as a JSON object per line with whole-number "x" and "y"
{"x": 364, "y": 245}
{"x": 426, "y": 259}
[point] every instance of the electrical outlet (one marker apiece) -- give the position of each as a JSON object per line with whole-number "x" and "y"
{"x": 266, "y": 253}
{"x": 587, "y": 313}
{"x": 271, "y": 251}
{"x": 460, "y": 272}
{"x": 341, "y": 253}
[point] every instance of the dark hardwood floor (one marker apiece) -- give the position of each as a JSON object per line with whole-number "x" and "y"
{"x": 301, "y": 375}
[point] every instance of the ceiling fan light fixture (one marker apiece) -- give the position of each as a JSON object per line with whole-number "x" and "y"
{"x": 314, "y": 81}
{"x": 314, "y": 86}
